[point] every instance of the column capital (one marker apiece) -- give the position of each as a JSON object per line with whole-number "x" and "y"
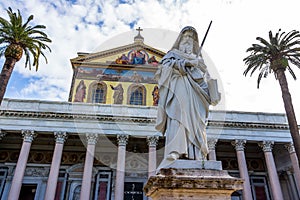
{"x": 152, "y": 140}
{"x": 239, "y": 145}
{"x": 2, "y": 134}
{"x": 60, "y": 137}
{"x": 266, "y": 146}
{"x": 92, "y": 138}
{"x": 28, "y": 135}
{"x": 122, "y": 140}
{"x": 211, "y": 142}
{"x": 290, "y": 147}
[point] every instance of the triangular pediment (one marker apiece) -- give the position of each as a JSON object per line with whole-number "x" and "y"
{"x": 128, "y": 65}
{"x": 136, "y": 162}
{"x": 125, "y": 53}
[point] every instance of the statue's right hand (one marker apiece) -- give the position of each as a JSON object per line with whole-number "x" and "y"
{"x": 182, "y": 70}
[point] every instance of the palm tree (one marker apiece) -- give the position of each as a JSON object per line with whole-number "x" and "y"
{"x": 16, "y": 38}
{"x": 276, "y": 56}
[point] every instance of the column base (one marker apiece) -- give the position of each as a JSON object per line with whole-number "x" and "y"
{"x": 186, "y": 182}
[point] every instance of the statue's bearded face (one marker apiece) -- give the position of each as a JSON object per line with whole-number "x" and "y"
{"x": 186, "y": 42}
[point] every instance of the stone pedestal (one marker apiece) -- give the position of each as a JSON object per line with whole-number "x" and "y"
{"x": 201, "y": 180}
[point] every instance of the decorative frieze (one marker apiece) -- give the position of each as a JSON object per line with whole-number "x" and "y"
{"x": 290, "y": 147}
{"x": 28, "y": 135}
{"x": 37, "y": 172}
{"x": 152, "y": 140}
{"x": 75, "y": 116}
{"x": 92, "y": 138}
{"x": 122, "y": 140}
{"x": 239, "y": 145}
{"x": 60, "y": 137}
{"x": 266, "y": 146}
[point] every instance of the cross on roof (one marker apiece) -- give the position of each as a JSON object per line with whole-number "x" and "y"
{"x": 139, "y": 30}
{"x": 139, "y": 38}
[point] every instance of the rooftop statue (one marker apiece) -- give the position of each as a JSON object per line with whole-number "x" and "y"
{"x": 186, "y": 91}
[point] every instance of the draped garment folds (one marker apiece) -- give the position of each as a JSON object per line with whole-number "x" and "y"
{"x": 183, "y": 105}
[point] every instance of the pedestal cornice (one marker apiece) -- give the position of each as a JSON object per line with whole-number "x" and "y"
{"x": 192, "y": 184}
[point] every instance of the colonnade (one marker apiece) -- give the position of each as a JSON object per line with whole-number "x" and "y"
{"x": 61, "y": 137}
{"x": 266, "y": 147}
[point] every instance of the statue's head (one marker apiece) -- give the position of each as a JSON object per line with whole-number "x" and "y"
{"x": 187, "y": 41}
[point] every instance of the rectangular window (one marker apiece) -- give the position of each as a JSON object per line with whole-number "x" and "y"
{"x": 61, "y": 185}
{"x": 259, "y": 188}
{"x": 103, "y": 183}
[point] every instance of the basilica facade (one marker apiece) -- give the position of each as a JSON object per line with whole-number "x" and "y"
{"x": 102, "y": 143}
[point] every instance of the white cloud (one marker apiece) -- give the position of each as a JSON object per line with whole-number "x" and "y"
{"x": 80, "y": 27}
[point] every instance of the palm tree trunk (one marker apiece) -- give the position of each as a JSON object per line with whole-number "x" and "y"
{"x": 5, "y": 75}
{"x": 289, "y": 109}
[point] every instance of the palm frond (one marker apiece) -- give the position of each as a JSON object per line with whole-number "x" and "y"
{"x": 28, "y": 20}
{"x": 278, "y": 53}
{"x": 292, "y": 72}
{"x": 32, "y": 39}
{"x": 271, "y": 48}
{"x": 263, "y": 74}
{"x": 295, "y": 61}
{"x": 288, "y": 37}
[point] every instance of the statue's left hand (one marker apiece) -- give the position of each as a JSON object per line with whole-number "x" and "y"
{"x": 191, "y": 63}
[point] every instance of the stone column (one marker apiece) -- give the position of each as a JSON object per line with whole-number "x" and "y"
{"x": 295, "y": 163}
{"x": 152, "y": 142}
{"x": 272, "y": 172}
{"x": 292, "y": 184}
{"x": 28, "y": 136}
{"x": 60, "y": 138}
{"x": 212, "y": 148}
{"x": 120, "y": 174}
{"x": 239, "y": 147}
{"x": 2, "y": 134}
{"x": 88, "y": 166}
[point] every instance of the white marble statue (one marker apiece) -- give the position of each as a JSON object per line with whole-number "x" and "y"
{"x": 186, "y": 91}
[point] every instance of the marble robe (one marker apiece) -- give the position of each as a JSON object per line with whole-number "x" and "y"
{"x": 183, "y": 106}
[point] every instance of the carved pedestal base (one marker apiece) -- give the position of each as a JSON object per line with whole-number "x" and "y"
{"x": 192, "y": 184}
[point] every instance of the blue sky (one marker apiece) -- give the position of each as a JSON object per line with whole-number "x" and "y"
{"x": 83, "y": 25}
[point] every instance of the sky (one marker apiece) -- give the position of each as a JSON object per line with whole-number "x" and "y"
{"x": 87, "y": 25}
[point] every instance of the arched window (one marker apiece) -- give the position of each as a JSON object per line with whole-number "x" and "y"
{"x": 136, "y": 95}
{"x": 97, "y": 92}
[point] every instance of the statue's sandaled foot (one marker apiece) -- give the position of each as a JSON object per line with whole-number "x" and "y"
{"x": 172, "y": 156}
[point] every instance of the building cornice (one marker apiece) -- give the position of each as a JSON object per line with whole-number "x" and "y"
{"x": 73, "y": 116}
{"x": 124, "y": 118}
{"x": 233, "y": 124}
